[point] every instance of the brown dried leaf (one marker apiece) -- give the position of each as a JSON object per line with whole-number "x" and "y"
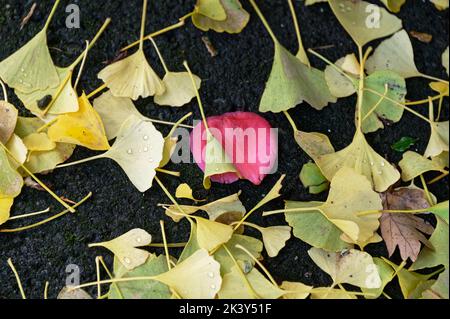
{"x": 28, "y": 16}
{"x": 404, "y": 230}
{"x": 210, "y": 47}
{"x": 421, "y": 36}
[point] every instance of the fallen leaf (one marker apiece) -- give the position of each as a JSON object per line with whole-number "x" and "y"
{"x": 404, "y": 230}
{"x": 362, "y": 158}
{"x": 38, "y": 142}
{"x": 386, "y": 274}
{"x": 124, "y": 248}
{"x": 404, "y": 144}
{"x": 353, "y": 16}
{"x": 10, "y": 181}
{"x": 395, "y": 54}
{"x": 236, "y": 18}
{"x": 197, "y": 277}
{"x": 84, "y": 128}
{"x": 5, "y": 209}
{"x": 440, "y": 4}
{"x": 439, "y": 289}
{"x": 185, "y": 191}
{"x": 28, "y": 16}
{"x": 8, "y": 121}
{"x": 414, "y": 165}
{"x": 209, "y": 46}
{"x": 394, "y": 5}
{"x": 445, "y": 58}
{"x": 70, "y": 293}
{"x": 355, "y": 267}
{"x": 312, "y": 178}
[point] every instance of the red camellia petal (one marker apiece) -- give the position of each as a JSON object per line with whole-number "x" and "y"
{"x": 248, "y": 140}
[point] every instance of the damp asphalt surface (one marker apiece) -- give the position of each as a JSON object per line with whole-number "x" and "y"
{"x": 232, "y": 81}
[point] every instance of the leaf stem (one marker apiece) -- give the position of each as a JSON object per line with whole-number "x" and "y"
{"x": 89, "y": 159}
{"x": 429, "y": 77}
{"x": 419, "y": 102}
{"x": 166, "y": 69}
{"x": 80, "y": 71}
{"x": 376, "y": 104}
{"x": 159, "y": 32}
{"x": 264, "y": 21}
{"x": 47, "y": 284}
{"x": 48, "y": 219}
{"x": 334, "y": 66}
{"x": 97, "y": 268}
{"x": 293, "y": 210}
{"x": 96, "y": 91}
{"x": 52, "y": 13}
{"x": 19, "y": 283}
{"x": 301, "y": 48}
{"x": 30, "y": 214}
{"x": 291, "y": 121}
{"x": 427, "y": 192}
{"x": 393, "y": 211}
{"x": 61, "y": 87}
{"x": 165, "y": 171}
{"x": 5, "y": 92}
{"x": 434, "y": 180}
{"x": 400, "y": 104}
{"x": 200, "y": 105}
{"x": 178, "y": 123}
{"x": 58, "y": 199}
{"x": 102, "y": 262}
{"x": 144, "y": 16}
{"x": 166, "y": 247}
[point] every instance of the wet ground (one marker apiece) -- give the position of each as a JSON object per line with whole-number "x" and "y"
{"x": 233, "y": 80}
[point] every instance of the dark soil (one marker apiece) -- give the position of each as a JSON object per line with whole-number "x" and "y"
{"x": 234, "y": 80}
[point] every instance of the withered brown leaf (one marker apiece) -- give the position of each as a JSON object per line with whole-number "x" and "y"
{"x": 404, "y": 230}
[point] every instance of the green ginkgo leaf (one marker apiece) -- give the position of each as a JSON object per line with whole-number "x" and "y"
{"x": 10, "y": 180}
{"x": 373, "y": 110}
{"x": 212, "y": 9}
{"x": 314, "y": 228}
{"x": 313, "y": 179}
{"x": 352, "y": 267}
{"x": 291, "y": 82}
{"x": 124, "y": 247}
{"x": 138, "y": 150}
{"x": 362, "y": 158}
{"x": 394, "y": 5}
{"x": 252, "y": 245}
{"x": 364, "y": 21}
{"x": 414, "y": 165}
{"x": 31, "y": 68}
{"x": 197, "y": 277}
{"x": 395, "y": 54}
{"x": 439, "y": 255}
{"x": 439, "y": 289}
{"x": 144, "y": 289}
{"x": 62, "y": 98}
{"x": 235, "y": 287}
{"x": 8, "y": 121}
{"x": 236, "y": 18}
{"x": 350, "y": 194}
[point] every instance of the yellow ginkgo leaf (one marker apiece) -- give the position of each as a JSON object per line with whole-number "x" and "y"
{"x": 10, "y": 181}
{"x": 394, "y": 5}
{"x": 8, "y": 120}
{"x": 352, "y": 267}
{"x": 137, "y": 149}
{"x": 340, "y": 85}
{"x": 178, "y": 89}
{"x": 439, "y": 139}
{"x": 236, "y": 18}
{"x": 38, "y": 142}
{"x": 217, "y": 160}
{"x": 295, "y": 290}
{"x": 124, "y": 247}
{"x": 440, "y": 4}
{"x": 31, "y": 68}
{"x": 351, "y": 193}
{"x": 197, "y": 277}
{"x": 364, "y": 160}
{"x": 16, "y": 146}
{"x": 251, "y": 286}
{"x": 5, "y": 209}
{"x": 211, "y": 234}
{"x": 212, "y": 9}
{"x": 394, "y": 54}
{"x": 364, "y": 21}
{"x": 132, "y": 77}
{"x": 84, "y": 128}
{"x": 414, "y": 165}
{"x": 185, "y": 191}
{"x": 274, "y": 237}
{"x": 350, "y": 64}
